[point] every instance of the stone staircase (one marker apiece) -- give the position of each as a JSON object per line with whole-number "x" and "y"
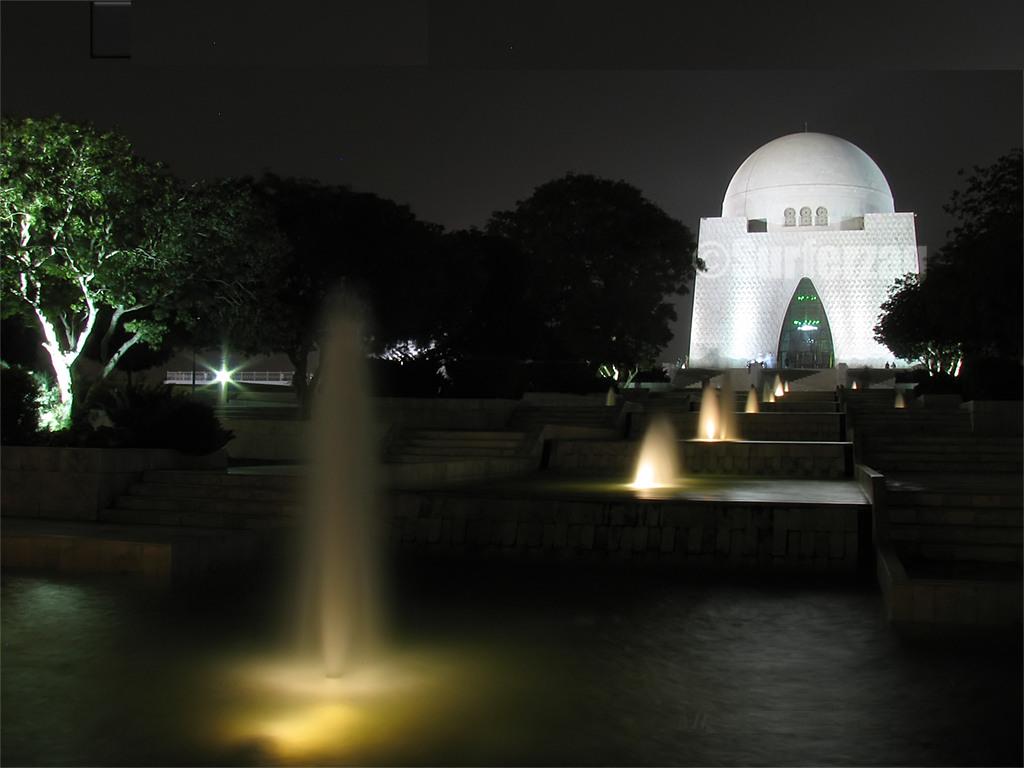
{"x": 951, "y": 528}
{"x": 954, "y": 454}
{"x": 419, "y": 445}
{"x": 168, "y": 527}
{"x": 956, "y": 522}
{"x": 531, "y": 417}
{"x": 433, "y": 457}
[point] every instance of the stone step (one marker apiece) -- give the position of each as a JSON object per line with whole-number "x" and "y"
{"x": 200, "y": 504}
{"x": 460, "y": 434}
{"x": 562, "y": 418}
{"x": 191, "y": 518}
{"x": 811, "y": 460}
{"x": 229, "y": 492}
{"x": 903, "y": 439}
{"x": 470, "y": 451}
{"x": 990, "y": 553}
{"x": 973, "y": 453}
{"x": 996, "y": 517}
{"x": 957, "y": 534}
{"x": 220, "y": 478}
{"x": 456, "y": 442}
{"x": 936, "y": 465}
{"x": 978, "y": 499}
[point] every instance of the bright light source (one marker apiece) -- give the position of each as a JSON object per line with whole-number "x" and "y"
{"x": 223, "y": 376}
{"x": 645, "y": 476}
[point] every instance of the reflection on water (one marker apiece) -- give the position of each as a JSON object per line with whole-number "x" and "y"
{"x": 492, "y": 666}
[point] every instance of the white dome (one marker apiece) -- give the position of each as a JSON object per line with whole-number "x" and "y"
{"x": 807, "y": 170}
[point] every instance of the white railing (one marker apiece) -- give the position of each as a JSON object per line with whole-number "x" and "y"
{"x": 278, "y": 378}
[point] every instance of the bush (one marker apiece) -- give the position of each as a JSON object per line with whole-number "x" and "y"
{"x": 937, "y": 384}
{"x": 993, "y": 379}
{"x": 150, "y": 417}
{"x": 19, "y": 420}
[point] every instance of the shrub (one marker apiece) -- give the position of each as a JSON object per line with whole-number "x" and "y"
{"x": 993, "y": 379}
{"x": 937, "y": 384}
{"x": 152, "y": 417}
{"x": 19, "y": 420}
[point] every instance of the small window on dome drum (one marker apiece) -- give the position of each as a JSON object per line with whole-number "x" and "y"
{"x": 821, "y": 217}
{"x": 789, "y": 217}
{"x": 805, "y": 217}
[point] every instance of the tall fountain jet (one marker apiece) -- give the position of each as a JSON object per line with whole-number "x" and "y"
{"x": 342, "y": 545}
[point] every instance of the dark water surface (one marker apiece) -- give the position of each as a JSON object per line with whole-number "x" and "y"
{"x": 486, "y": 667}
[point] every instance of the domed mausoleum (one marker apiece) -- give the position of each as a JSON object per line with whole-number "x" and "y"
{"x": 800, "y": 261}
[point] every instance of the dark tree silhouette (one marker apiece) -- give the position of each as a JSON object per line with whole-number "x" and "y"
{"x": 968, "y": 306}
{"x": 599, "y": 263}
{"x": 336, "y": 236}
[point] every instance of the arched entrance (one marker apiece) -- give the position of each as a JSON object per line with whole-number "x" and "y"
{"x": 805, "y": 340}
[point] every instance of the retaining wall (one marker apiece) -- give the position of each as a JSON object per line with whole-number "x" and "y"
{"x": 774, "y": 537}
{"x": 76, "y": 483}
{"x": 818, "y": 460}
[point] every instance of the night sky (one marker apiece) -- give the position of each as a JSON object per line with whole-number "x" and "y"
{"x": 457, "y": 109}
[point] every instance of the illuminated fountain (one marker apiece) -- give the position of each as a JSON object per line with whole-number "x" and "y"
{"x": 341, "y": 595}
{"x": 779, "y": 389}
{"x": 658, "y": 463}
{"x": 899, "y": 401}
{"x": 752, "y": 403}
{"x": 717, "y": 420}
{"x": 728, "y": 428}
{"x": 708, "y": 422}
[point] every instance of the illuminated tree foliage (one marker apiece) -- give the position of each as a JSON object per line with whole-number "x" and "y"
{"x": 103, "y": 251}
{"x": 84, "y": 225}
{"x": 599, "y": 265}
{"x": 916, "y": 324}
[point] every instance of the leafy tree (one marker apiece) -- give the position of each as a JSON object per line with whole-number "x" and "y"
{"x": 85, "y": 222}
{"x": 967, "y": 307}
{"x": 983, "y": 260}
{"x": 231, "y": 264}
{"x": 599, "y": 262}
{"x": 916, "y": 323}
{"x": 479, "y": 308}
{"x": 334, "y": 236}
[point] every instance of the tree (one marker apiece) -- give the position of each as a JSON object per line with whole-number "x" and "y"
{"x": 85, "y": 223}
{"x": 916, "y": 323}
{"x": 232, "y": 261}
{"x": 334, "y": 236}
{"x": 967, "y": 307}
{"x": 479, "y": 308}
{"x": 984, "y": 259}
{"x": 599, "y": 263}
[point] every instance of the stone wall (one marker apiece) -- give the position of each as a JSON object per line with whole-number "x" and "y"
{"x": 76, "y": 483}
{"x": 267, "y": 439}
{"x": 782, "y": 459}
{"x": 445, "y": 413}
{"x": 708, "y": 535}
{"x": 759, "y": 426}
